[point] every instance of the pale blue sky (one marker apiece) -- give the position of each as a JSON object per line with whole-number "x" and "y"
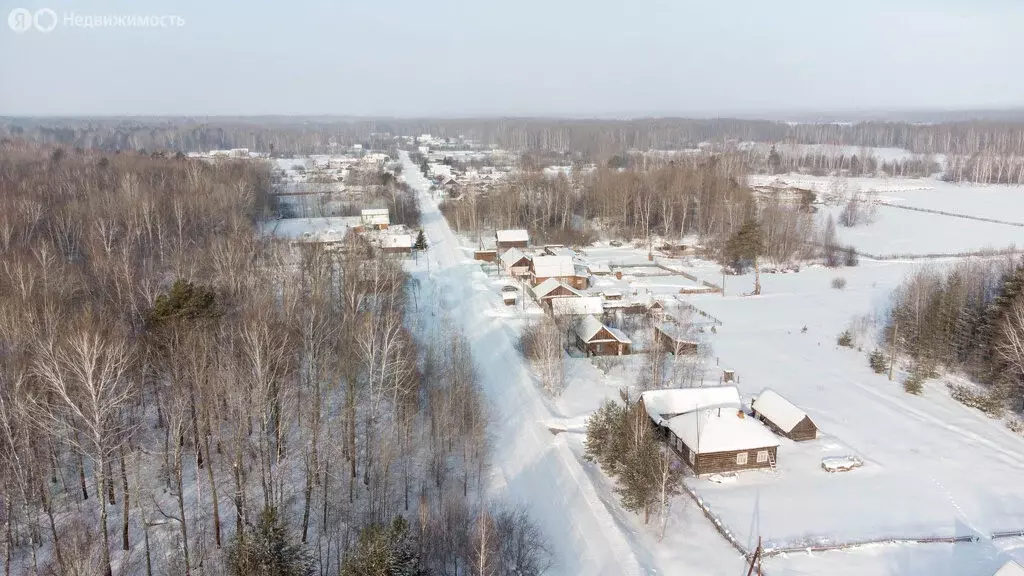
{"x": 517, "y": 57}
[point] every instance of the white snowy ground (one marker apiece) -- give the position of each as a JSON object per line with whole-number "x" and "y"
{"x": 899, "y": 232}
{"x": 570, "y": 499}
{"x": 932, "y": 466}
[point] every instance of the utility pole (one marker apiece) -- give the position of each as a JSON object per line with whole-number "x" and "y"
{"x": 892, "y": 355}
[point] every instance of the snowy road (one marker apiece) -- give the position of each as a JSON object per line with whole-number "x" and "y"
{"x": 529, "y": 464}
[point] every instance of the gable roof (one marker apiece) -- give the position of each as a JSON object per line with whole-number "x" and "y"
{"x": 576, "y": 306}
{"x": 511, "y": 256}
{"x": 553, "y": 266}
{"x": 548, "y": 286}
{"x": 1011, "y": 568}
{"x": 723, "y": 429}
{"x": 512, "y": 236}
{"x": 661, "y": 405}
{"x": 780, "y": 411}
{"x": 590, "y": 327}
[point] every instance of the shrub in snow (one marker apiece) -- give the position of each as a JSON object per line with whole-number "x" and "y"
{"x": 839, "y": 282}
{"x": 850, "y": 257}
{"x": 914, "y": 384}
{"x": 878, "y": 362}
{"x": 986, "y": 401}
{"x": 1015, "y": 425}
{"x": 845, "y": 339}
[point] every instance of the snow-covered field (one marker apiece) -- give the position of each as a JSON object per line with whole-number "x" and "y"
{"x": 932, "y": 467}
{"x": 898, "y": 232}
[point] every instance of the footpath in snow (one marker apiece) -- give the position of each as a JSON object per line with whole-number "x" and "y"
{"x": 529, "y": 464}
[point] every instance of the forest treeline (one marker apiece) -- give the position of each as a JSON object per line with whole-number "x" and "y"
{"x": 594, "y": 138}
{"x": 179, "y": 395}
{"x": 968, "y": 317}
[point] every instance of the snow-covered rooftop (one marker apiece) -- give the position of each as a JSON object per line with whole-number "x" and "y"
{"x": 548, "y": 286}
{"x": 375, "y": 212}
{"x": 590, "y": 326}
{"x": 396, "y": 241}
{"x": 576, "y": 306}
{"x": 511, "y": 256}
{"x": 662, "y": 405}
{"x": 722, "y": 429}
{"x": 777, "y": 409}
{"x": 553, "y": 266}
{"x": 512, "y": 236}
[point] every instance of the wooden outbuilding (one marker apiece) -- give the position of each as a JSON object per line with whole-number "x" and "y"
{"x": 506, "y": 239}
{"x": 595, "y": 339}
{"x": 783, "y": 417}
{"x": 485, "y": 255}
{"x": 709, "y": 431}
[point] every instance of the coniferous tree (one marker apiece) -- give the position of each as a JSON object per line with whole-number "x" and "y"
{"x": 421, "y": 241}
{"x": 266, "y": 549}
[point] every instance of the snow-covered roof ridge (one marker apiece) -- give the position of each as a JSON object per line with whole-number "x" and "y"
{"x": 590, "y": 326}
{"x": 780, "y": 411}
{"x": 723, "y": 429}
{"x": 553, "y": 266}
{"x": 661, "y": 405}
{"x": 517, "y": 235}
{"x": 512, "y": 255}
{"x": 548, "y": 286}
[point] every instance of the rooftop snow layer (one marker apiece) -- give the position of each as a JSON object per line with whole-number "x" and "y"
{"x": 512, "y": 236}
{"x": 553, "y": 266}
{"x": 590, "y": 326}
{"x": 511, "y": 256}
{"x": 777, "y": 409}
{"x": 662, "y": 405}
{"x": 548, "y": 286}
{"x": 721, "y": 430}
{"x": 396, "y": 241}
{"x": 577, "y": 306}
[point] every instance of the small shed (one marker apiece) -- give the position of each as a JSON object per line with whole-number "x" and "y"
{"x": 512, "y": 239}
{"x": 596, "y": 339}
{"x": 783, "y": 417}
{"x": 485, "y": 255}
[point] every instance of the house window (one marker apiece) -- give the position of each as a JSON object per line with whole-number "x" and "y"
{"x": 692, "y": 459}
{"x": 741, "y": 459}
{"x": 762, "y": 456}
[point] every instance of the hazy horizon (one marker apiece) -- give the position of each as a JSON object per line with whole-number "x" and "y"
{"x": 574, "y": 59}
